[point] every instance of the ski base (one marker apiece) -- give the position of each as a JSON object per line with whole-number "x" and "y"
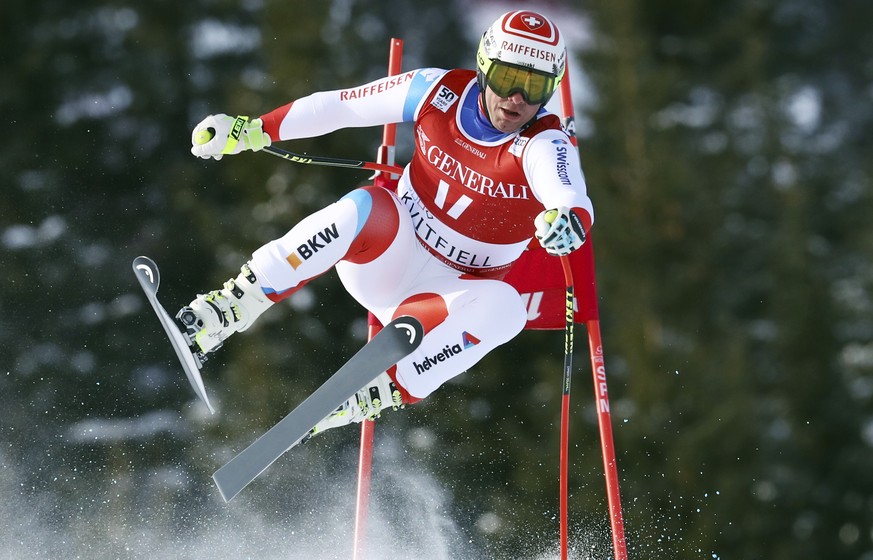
{"x": 395, "y": 341}
{"x": 149, "y": 277}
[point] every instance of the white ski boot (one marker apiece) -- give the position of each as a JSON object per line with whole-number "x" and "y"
{"x": 366, "y": 404}
{"x": 213, "y": 317}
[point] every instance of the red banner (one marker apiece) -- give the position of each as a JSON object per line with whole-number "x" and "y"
{"x": 539, "y": 278}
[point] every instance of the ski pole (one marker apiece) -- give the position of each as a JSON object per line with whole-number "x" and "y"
{"x": 333, "y": 162}
{"x": 207, "y": 134}
{"x": 598, "y": 370}
{"x": 565, "y": 406}
{"x": 368, "y": 427}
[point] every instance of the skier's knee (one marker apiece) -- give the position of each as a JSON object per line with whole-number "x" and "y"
{"x": 378, "y": 223}
{"x": 505, "y": 304}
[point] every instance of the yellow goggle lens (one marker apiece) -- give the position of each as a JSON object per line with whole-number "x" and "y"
{"x": 504, "y": 80}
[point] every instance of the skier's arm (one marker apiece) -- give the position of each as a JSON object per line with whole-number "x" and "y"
{"x": 219, "y": 135}
{"x": 560, "y": 230}
{"x": 388, "y": 100}
{"x": 553, "y": 170}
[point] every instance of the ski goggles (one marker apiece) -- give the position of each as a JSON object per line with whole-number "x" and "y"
{"x": 534, "y": 86}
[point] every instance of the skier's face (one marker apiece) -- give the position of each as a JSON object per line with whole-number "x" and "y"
{"x": 508, "y": 114}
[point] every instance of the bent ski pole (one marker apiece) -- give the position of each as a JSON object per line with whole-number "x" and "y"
{"x": 206, "y": 135}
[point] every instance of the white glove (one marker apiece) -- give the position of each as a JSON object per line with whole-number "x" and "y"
{"x": 559, "y": 231}
{"x": 221, "y": 134}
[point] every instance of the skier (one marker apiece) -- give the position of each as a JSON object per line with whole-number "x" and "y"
{"x": 491, "y": 167}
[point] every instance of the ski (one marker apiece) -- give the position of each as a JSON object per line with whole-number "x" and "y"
{"x": 149, "y": 277}
{"x": 396, "y": 340}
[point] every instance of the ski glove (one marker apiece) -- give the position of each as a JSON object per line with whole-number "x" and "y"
{"x": 559, "y": 231}
{"x": 221, "y": 134}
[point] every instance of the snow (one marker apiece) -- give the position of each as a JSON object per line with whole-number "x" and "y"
{"x": 108, "y": 431}
{"x": 408, "y": 515}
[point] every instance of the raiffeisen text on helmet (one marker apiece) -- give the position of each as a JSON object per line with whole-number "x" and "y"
{"x": 526, "y": 50}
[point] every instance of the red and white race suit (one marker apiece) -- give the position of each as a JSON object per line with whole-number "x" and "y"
{"x": 438, "y": 248}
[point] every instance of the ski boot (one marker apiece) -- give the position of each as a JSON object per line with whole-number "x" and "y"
{"x": 212, "y": 317}
{"x": 366, "y": 404}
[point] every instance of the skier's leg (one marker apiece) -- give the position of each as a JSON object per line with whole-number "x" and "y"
{"x": 212, "y": 317}
{"x": 359, "y": 226}
{"x": 464, "y": 319}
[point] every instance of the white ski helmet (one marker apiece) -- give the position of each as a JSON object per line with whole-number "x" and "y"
{"x": 522, "y": 52}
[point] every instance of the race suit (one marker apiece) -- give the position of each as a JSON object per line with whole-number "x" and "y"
{"x": 438, "y": 247}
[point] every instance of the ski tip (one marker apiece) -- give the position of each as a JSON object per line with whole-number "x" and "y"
{"x": 411, "y": 326}
{"x": 143, "y": 260}
{"x": 146, "y": 271}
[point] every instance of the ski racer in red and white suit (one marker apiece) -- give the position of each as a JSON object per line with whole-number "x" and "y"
{"x": 437, "y": 249}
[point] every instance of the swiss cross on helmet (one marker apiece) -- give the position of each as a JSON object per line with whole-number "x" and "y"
{"x": 522, "y": 52}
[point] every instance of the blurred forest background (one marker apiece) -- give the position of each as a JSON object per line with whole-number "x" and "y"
{"x": 724, "y": 146}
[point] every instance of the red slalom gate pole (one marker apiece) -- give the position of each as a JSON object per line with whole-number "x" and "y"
{"x": 365, "y": 453}
{"x": 365, "y": 465}
{"x": 607, "y": 446}
{"x": 598, "y": 369}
